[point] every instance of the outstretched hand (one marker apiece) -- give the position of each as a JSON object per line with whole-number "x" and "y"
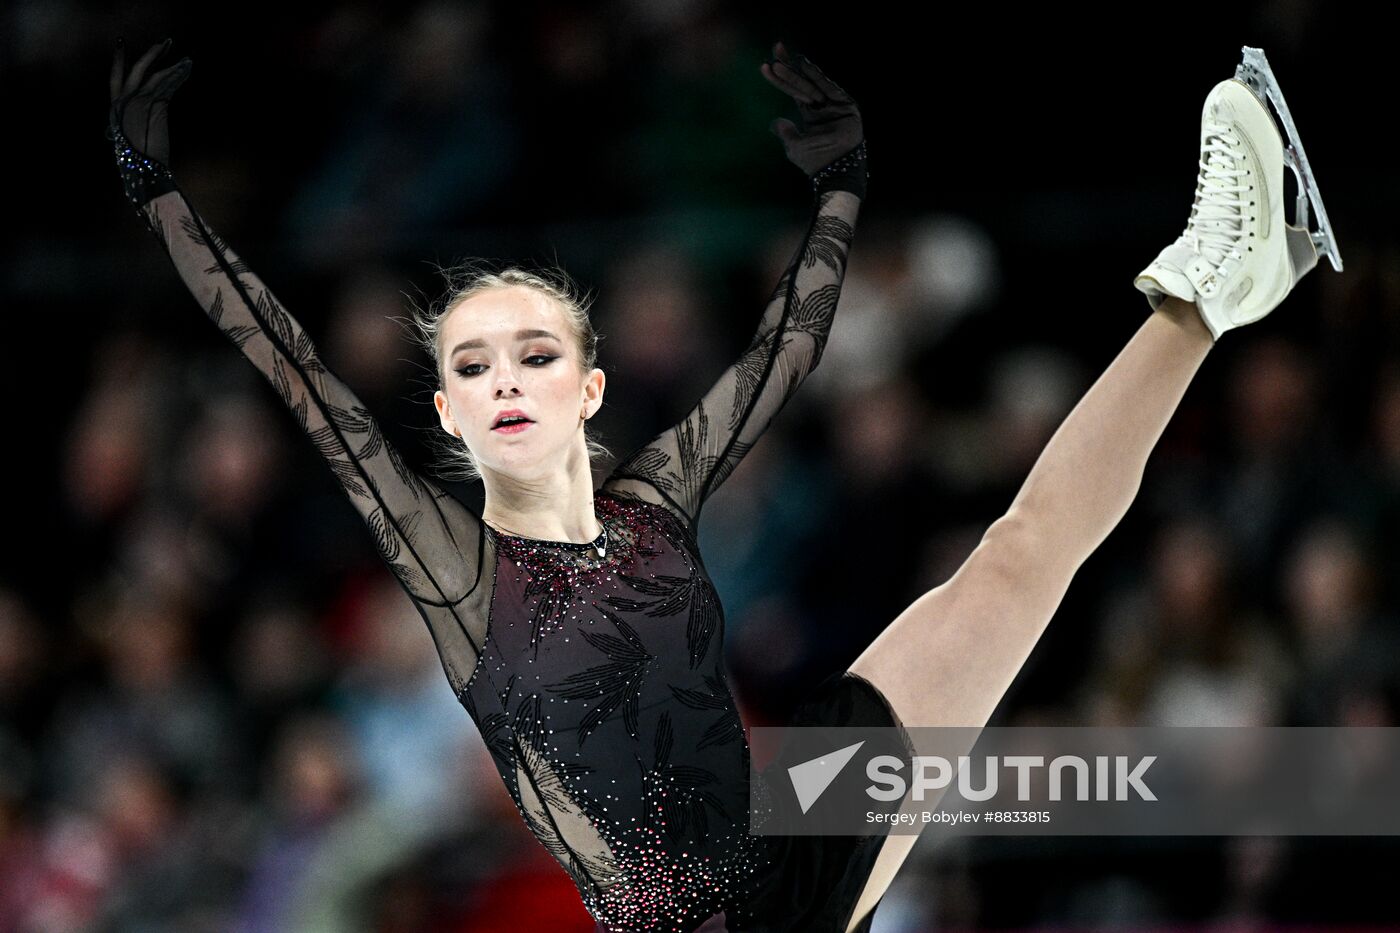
{"x": 140, "y": 104}
{"x": 830, "y": 125}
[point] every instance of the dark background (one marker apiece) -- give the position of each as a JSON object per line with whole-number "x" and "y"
{"x": 218, "y": 711}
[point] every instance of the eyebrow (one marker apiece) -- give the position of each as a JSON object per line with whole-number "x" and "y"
{"x": 519, "y": 335}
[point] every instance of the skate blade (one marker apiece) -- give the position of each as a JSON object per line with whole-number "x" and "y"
{"x": 1255, "y": 73}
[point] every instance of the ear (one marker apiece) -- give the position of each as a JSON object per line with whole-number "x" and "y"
{"x": 593, "y": 388}
{"x": 449, "y": 424}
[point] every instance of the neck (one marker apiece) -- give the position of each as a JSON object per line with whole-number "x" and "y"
{"x": 558, "y": 507}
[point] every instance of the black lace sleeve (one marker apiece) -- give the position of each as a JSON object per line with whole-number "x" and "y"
{"x": 433, "y": 543}
{"x": 683, "y": 466}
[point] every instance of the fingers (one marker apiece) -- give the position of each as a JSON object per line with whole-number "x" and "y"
{"x": 797, "y": 76}
{"x": 785, "y": 130}
{"x": 766, "y": 70}
{"x": 782, "y": 54}
{"x": 829, "y": 88}
{"x": 164, "y": 82}
{"x": 788, "y": 80}
{"x": 178, "y": 78}
{"x": 138, "y": 71}
{"x": 782, "y": 73}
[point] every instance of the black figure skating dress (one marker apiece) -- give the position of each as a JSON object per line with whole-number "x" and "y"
{"x": 597, "y": 682}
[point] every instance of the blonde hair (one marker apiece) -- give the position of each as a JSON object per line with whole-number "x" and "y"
{"x": 471, "y": 277}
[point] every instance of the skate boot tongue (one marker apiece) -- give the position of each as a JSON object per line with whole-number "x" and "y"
{"x": 1217, "y": 223}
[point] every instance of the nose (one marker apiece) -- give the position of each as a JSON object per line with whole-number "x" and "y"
{"x": 506, "y": 385}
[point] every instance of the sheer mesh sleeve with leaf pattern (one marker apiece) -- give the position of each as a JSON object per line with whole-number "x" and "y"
{"x": 683, "y": 466}
{"x": 433, "y": 543}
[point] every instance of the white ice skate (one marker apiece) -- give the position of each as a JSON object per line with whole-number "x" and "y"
{"x": 1239, "y": 257}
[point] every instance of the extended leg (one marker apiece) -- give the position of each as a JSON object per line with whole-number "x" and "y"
{"x": 948, "y": 659}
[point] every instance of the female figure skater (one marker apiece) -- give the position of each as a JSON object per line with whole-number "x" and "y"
{"x": 578, "y": 626}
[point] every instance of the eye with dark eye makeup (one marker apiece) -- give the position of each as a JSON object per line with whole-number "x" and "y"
{"x": 475, "y": 369}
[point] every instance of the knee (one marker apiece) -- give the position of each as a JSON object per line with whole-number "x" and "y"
{"x": 1013, "y": 536}
{"x": 1017, "y": 545}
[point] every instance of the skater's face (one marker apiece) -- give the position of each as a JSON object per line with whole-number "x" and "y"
{"x": 512, "y": 348}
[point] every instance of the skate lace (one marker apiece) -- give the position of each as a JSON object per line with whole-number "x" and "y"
{"x": 1217, "y": 218}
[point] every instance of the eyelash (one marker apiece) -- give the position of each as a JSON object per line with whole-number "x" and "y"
{"x": 462, "y": 371}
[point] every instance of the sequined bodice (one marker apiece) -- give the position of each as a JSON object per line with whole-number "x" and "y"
{"x": 602, "y": 697}
{"x": 597, "y": 683}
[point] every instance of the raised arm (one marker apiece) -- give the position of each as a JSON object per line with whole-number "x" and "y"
{"x": 685, "y": 464}
{"x": 432, "y": 542}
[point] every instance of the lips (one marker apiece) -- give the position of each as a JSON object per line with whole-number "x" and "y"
{"x": 523, "y": 421}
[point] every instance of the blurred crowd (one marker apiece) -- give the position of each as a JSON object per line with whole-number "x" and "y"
{"x": 218, "y": 711}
